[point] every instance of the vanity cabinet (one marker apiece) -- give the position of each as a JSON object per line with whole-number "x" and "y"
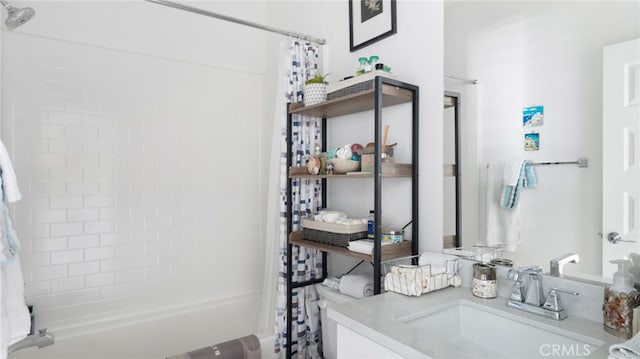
{"x": 354, "y": 345}
{"x": 383, "y": 92}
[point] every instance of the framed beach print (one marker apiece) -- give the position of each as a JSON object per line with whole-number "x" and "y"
{"x": 370, "y": 21}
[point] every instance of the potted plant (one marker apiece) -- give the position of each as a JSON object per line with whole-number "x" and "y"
{"x": 315, "y": 89}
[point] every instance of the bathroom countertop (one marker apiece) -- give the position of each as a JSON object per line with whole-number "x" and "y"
{"x": 377, "y": 318}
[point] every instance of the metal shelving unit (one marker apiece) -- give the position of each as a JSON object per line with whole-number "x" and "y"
{"x": 385, "y": 92}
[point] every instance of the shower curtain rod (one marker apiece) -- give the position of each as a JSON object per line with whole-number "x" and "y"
{"x": 238, "y": 21}
{"x": 473, "y": 81}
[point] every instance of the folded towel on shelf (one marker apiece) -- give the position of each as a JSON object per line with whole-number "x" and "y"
{"x": 440, "y": 263}
{"x": 502, "y": 226}
{"x": 626, "y": 350}
{"x": 357, "y": 286}
{"x": 518, "y": 175}
{"x": 364, "y": 246}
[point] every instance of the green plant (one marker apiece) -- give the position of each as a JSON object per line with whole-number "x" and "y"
{"x": 317, "y": 79}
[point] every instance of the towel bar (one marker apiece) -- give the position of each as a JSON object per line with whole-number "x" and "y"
{"x": 581, "y": 162}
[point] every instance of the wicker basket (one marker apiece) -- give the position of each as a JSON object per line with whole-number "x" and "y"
{"x": 332, "y": 238}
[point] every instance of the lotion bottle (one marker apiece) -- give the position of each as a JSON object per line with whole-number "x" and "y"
{"x": 619, "y": 302}
{"x": 635, "y": 269}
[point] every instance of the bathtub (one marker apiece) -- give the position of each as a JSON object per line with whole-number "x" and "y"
{"x": 154, "y": 338}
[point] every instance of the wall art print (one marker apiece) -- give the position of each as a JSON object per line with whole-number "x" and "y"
{"x": 370, "y": 21}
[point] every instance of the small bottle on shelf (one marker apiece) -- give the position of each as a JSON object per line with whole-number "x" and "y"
{"x": 371, "y": 228}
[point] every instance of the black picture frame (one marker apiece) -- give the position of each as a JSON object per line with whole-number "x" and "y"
{"x": 369, "y": 24}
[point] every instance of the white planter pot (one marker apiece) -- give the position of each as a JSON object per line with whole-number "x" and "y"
{"x": 314, "y": 93}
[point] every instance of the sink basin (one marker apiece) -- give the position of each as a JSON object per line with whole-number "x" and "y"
{"x": 464, "y": 329}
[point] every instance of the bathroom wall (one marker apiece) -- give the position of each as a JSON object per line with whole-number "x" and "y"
{"x": 526, "y": 53}
{"x": 135, "y": 131}
{"x": 415, "y": 56}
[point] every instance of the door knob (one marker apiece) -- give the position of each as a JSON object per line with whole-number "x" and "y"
{"x": 615, "y": 237}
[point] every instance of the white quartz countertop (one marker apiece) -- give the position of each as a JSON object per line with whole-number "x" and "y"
{"x": 379, "y": 319}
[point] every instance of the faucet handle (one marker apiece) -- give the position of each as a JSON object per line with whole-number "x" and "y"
{"x": 553, "y": 301}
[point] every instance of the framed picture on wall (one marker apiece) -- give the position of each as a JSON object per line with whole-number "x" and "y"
{"x": 370, "y": 21}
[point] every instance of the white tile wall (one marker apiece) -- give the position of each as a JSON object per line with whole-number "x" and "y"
{"x": 139, "y": 177}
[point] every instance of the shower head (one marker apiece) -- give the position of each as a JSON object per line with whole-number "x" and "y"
{"x": 17, "y": 16}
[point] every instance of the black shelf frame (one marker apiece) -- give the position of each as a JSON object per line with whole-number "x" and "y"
{"x": 379, "y": 83}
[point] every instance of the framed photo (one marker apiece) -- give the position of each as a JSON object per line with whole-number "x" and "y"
{"x": 370, "y": 21}
{"x": 532, "y": 141}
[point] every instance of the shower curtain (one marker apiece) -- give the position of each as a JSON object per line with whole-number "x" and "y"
{"x": 301, "y": 63}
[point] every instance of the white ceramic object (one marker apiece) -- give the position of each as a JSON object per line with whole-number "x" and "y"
{"x": 342, "y": 165}
{"x": 314, "y": 93}
{"x": 467, "y": 329}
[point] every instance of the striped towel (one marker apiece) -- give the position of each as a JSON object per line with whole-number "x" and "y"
{"x": 518, "y": 175}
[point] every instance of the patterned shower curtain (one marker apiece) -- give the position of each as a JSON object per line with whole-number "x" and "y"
{"x": 306, "y": 199}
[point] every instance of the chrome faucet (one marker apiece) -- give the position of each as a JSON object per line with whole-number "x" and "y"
{"x": 42, "y": 339}
{"x": 557, "y": 264}
{"x": 530, "y": 297}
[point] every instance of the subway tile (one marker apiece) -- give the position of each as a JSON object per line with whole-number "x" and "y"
{"x": 98, "y": 147}
{"x": 99, "y": 173}
{"x": 65, "y": 146}
{"x": 115, "y": 265}
{"x": 89, "y": 105}
{"x": 48, "y": 131}
{"x": 36, "y": 145}
{"x": 49, "y": 216}
{"x": 65, "y": 118}
{"x": 98, "y": 201}
{"x": 106, "y": 187}
{"x": 49, "y": 159}
{"x": 81, "y": 133}
{"x": 111, "y": 239}
{"x": 83, "y": 187}
{"x": 49, "y": 272}
{"x": 35, "y": 260}
{"x": 66, "y": 201}
{"x": 144, "y": 261}
{"x": 99, "y": 280}
{"x": 49, "y": 244}
{"x": 67, "y": 284}
{"x": 84, "y": 268}
{"x": 93, "y": 120}
{"x": 98, "y": 227}
{"x": 47, "y": 188}
{"x": 68, "y": 256}
{"x": 76, "y": 242}
{"x": 66, "y": 174}
{"x": 109, "y": 134}
{"x": 82, "y": 160}
{"x": 98, "y": 253}
{"x": 130, "y": 225}
{"x": 66, "y": 229}
{"x": 84, "y": 214}
{"x": 39, "y": 203}
{"x": 134, "y": 275}
{"x": 60, "y": 88}
{"x": 129, "y": 250}
{"x": 108, "y": 213}
{"x": 107, "y": 161}
{"x": 41, "y": 230}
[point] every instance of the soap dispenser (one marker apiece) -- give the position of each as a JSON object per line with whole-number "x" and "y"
{"x": 635, "y": 269}
{"x": 619, "y": 301}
